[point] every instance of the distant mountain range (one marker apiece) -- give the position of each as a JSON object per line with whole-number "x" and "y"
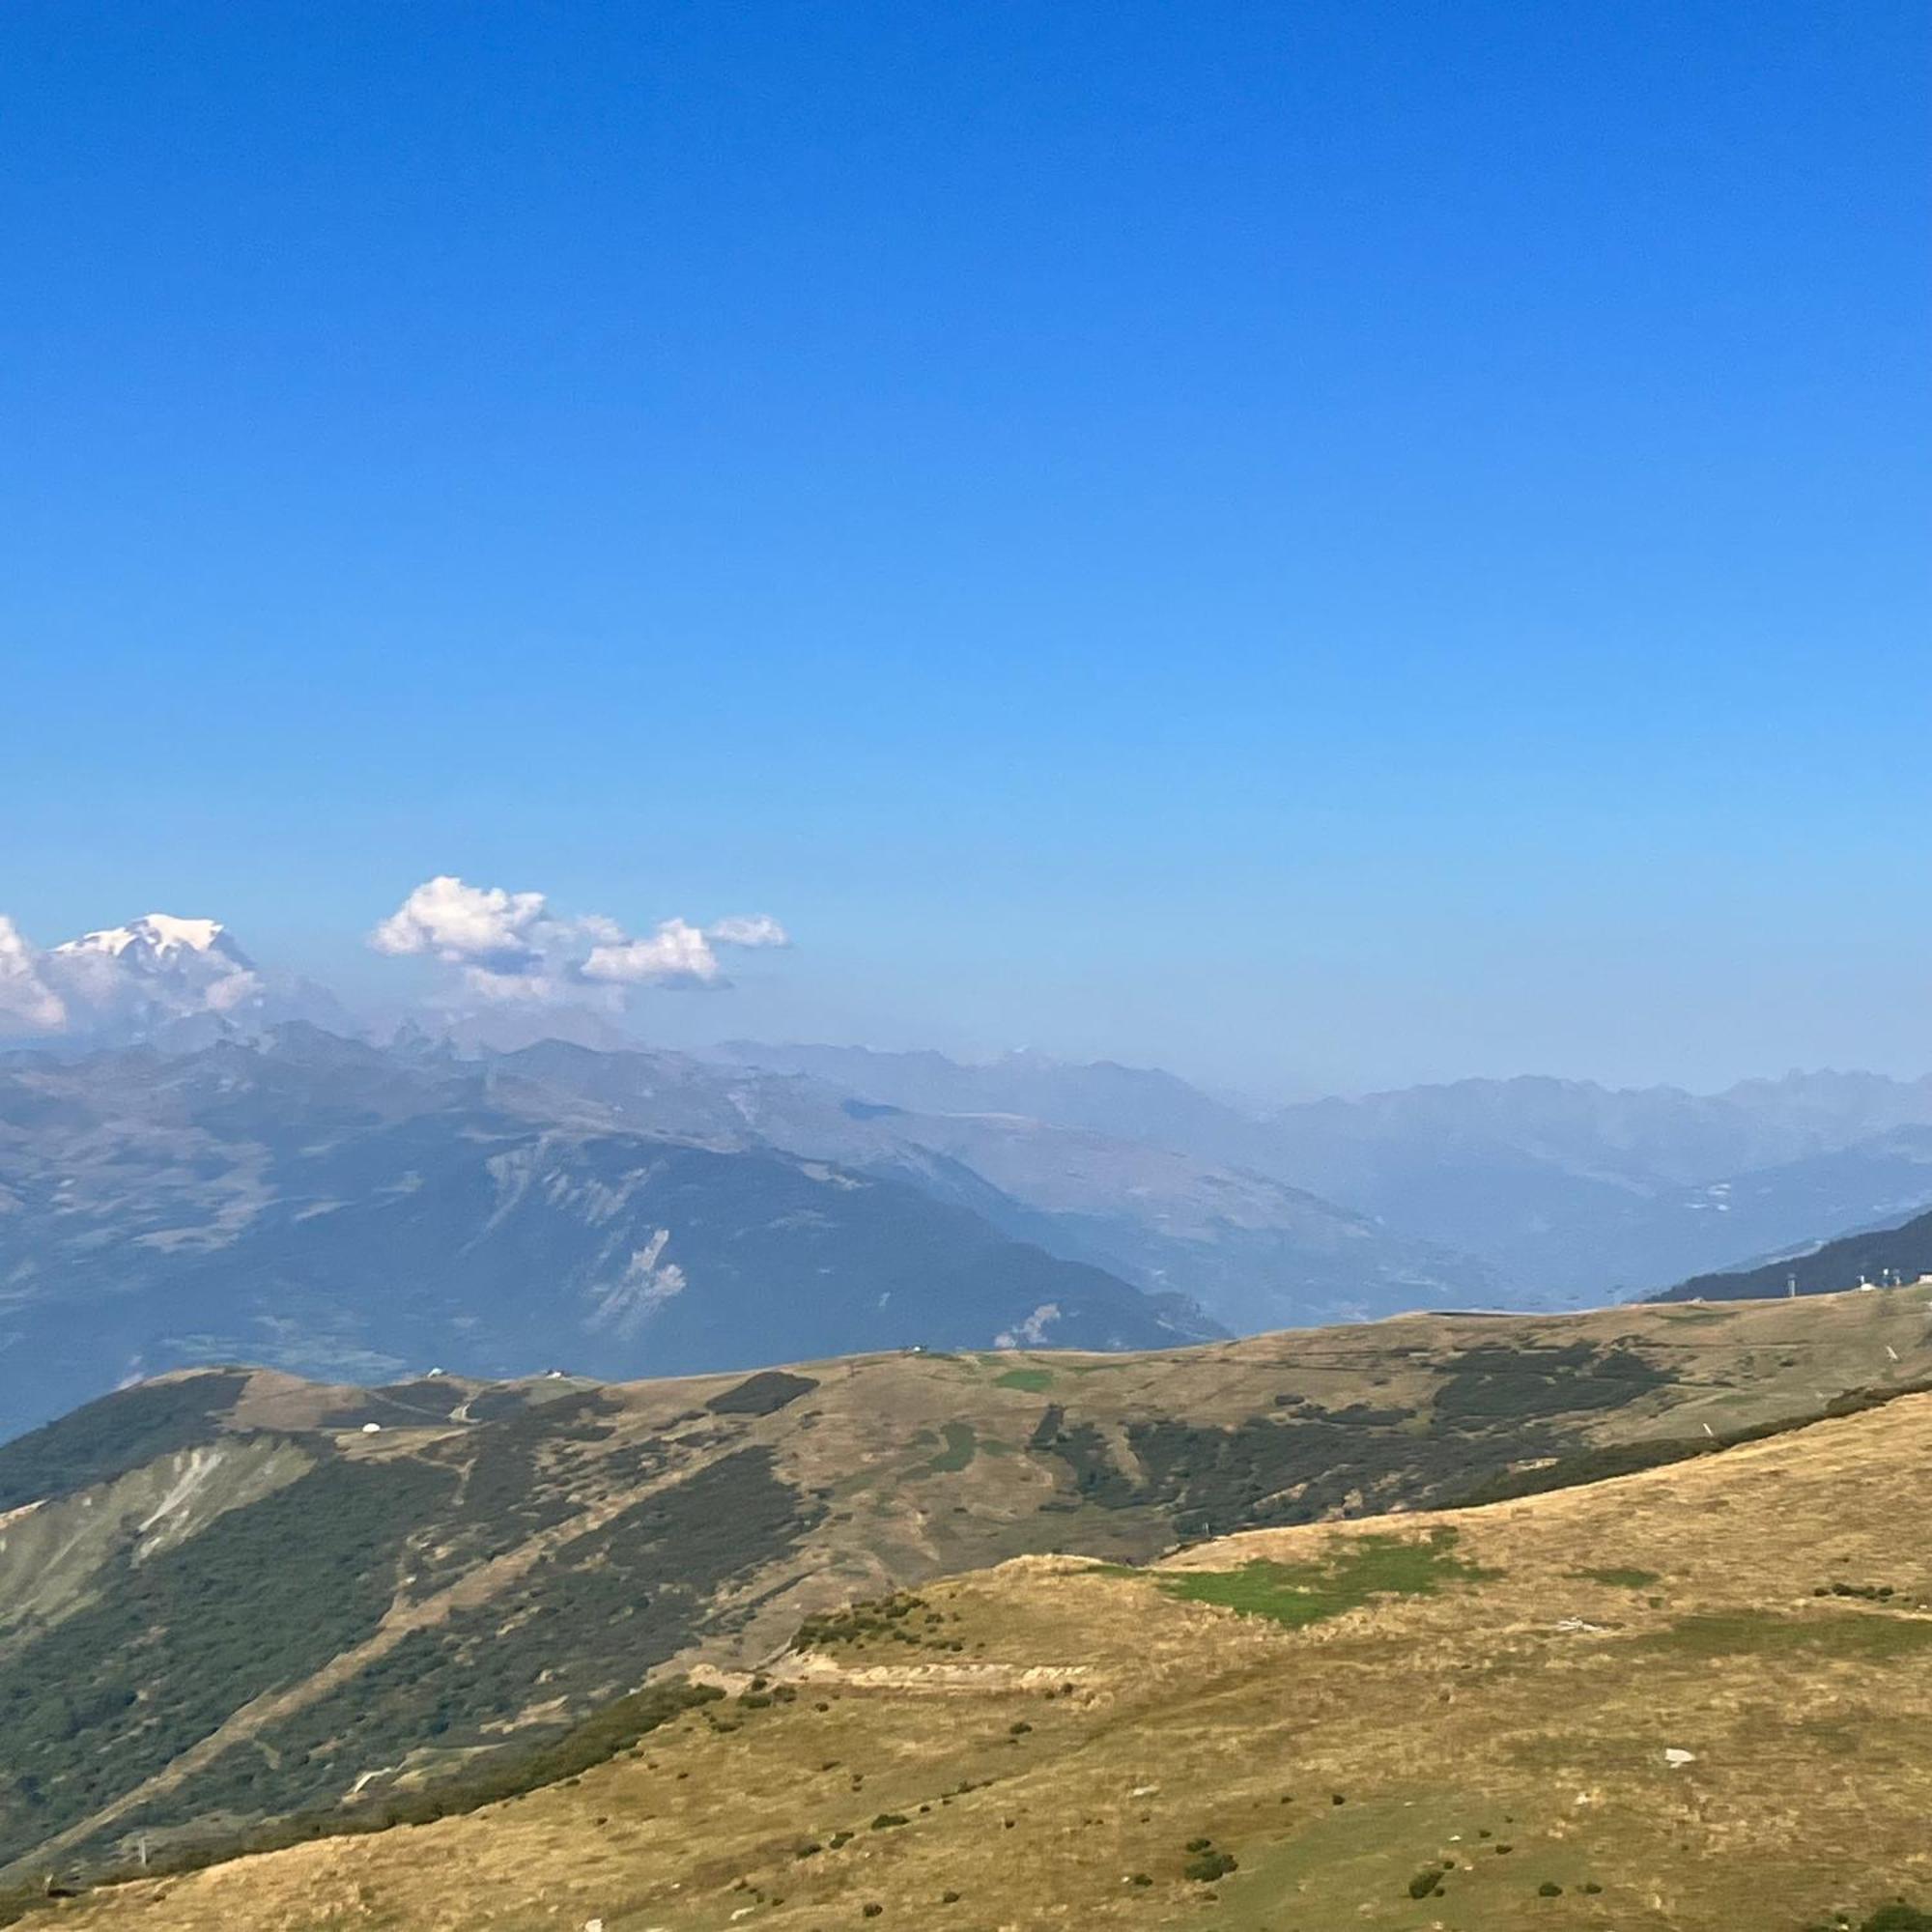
{"x": 1253, "y": 1250}
{"x": 193, "y": 1169}
{"x": 321, "y": 1205}
{"x": 1545, "y": 1189}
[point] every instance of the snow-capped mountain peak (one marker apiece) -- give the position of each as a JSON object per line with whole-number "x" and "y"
{"x": 158, "y": 935}
{"x": 158, "y": 978}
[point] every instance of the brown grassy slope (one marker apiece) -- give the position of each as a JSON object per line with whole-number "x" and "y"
{"x": 894, "y": 1517}
{"x": 868, "y": 1438}
{"x": 899, "y": 1468}
{"x": 1529, "y": 1707}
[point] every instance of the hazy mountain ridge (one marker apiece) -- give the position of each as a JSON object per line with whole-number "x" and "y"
{"x": 1556, "y": 1187}
{"x": 1254, "y": 1250}
{"x": 340, "y": 1208}
{"x": 328, "y": 1207}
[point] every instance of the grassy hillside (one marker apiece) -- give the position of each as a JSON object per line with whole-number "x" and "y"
{"x": 1696, "y": 1699}
{"x": 229, "y": 1597}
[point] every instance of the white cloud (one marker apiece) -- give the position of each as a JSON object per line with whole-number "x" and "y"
{"x": 677, "y": 954}
{"x": 467, "y": 925}
{"x": 756, "y": 929}
{"x": 28, "y": 1004}
{"x": 509, "y": 947}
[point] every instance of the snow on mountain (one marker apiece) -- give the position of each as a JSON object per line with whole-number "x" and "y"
{"x": 158, "y": 935}
{"x": 142, "y": 981}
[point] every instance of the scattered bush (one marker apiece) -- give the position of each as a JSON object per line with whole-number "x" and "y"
{"x": 1205, "y": 1867}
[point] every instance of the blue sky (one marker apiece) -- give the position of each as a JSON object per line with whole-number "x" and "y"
{"x": 1322, "y": 544}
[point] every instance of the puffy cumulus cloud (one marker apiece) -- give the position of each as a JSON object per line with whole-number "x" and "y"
{"x": 677, "y": 954}
{"x": 469, "y": 925}
{"x": 509, "y": 947}
{"x": 28, "y": 1004}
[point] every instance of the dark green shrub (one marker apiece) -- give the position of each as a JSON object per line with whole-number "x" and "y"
{"x": 1549, "y": 1889}
{"x": 1425, "y": 1884}
{"x": 1207, "y": 1866}
{"x": 762, "y": 1394}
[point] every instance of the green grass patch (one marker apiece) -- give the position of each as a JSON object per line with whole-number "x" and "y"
{"x": 1297, "y": 1594}
{"x": 959, "y": 1452}
{"x": 1621, "y": 1579}
{"x": 1034, "y": 1381}
{"x": 1374, "y": 1848}
{"x": 1857, "y": 1634}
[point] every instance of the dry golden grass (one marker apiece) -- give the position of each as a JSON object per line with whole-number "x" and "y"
{"x": 1531, "y": 1709}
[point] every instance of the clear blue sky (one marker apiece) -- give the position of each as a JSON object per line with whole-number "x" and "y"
{"x": 1321, "y": 543}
